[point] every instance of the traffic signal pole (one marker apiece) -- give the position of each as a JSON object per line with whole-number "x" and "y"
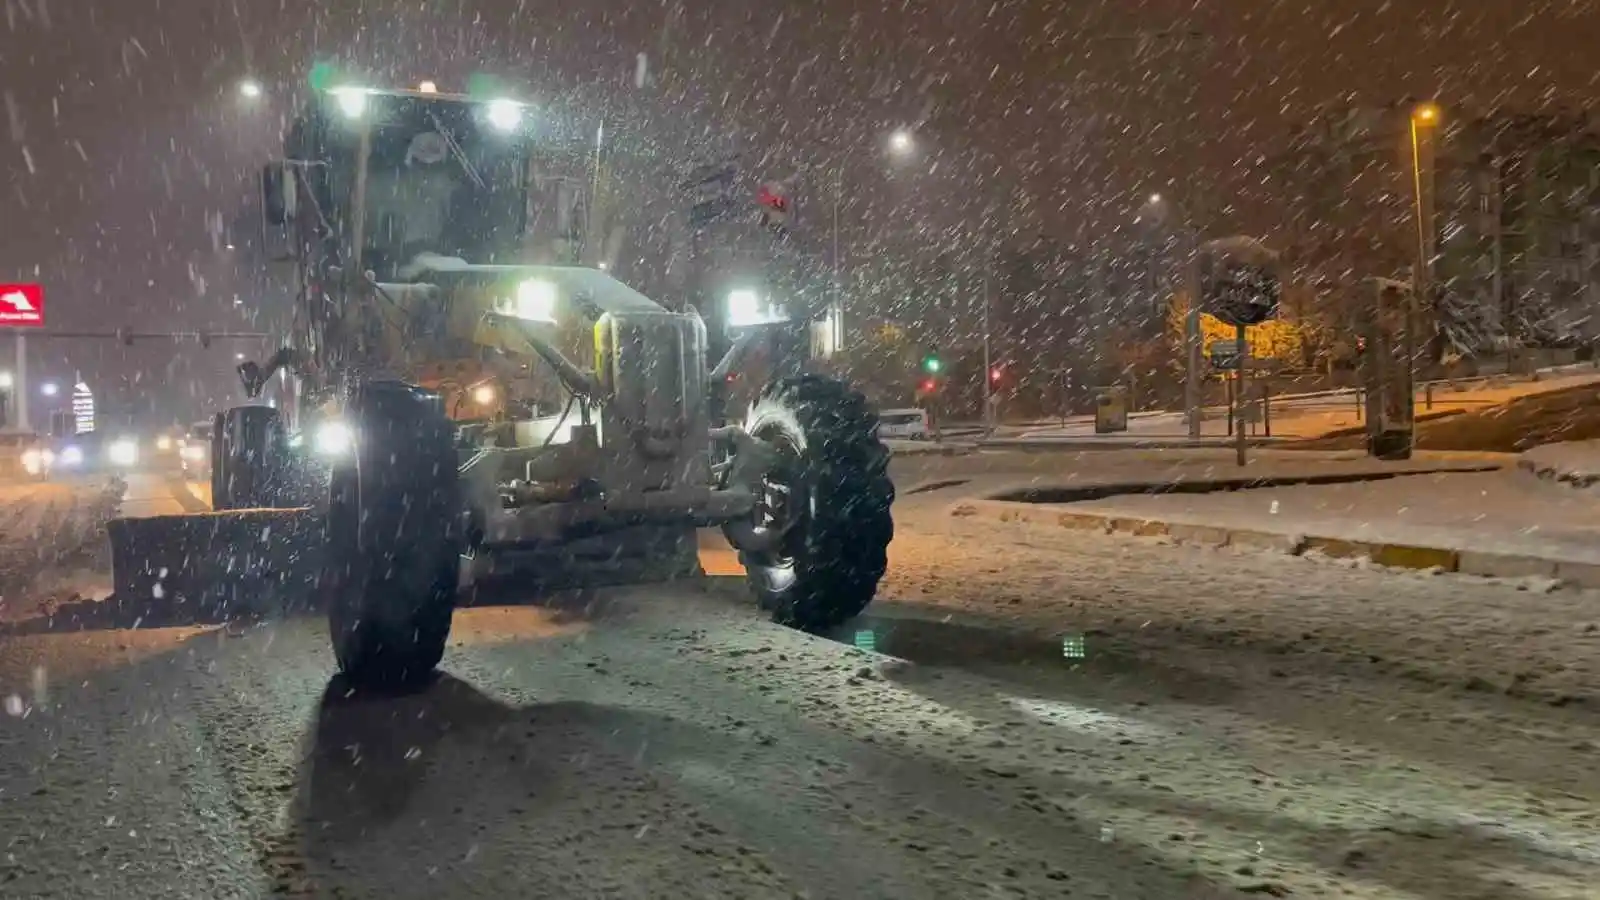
{"x": 988, "y": 364}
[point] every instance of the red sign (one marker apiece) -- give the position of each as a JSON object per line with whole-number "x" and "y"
{"x": 21, "y": 306}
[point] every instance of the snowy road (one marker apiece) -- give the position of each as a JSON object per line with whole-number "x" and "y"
{"x": 1239, "y": 725}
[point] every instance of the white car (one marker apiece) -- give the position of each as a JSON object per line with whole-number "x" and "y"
{"x": 904, "y": 425}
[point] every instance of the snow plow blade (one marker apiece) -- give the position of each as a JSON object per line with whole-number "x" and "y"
{"x": 216, "y": 566}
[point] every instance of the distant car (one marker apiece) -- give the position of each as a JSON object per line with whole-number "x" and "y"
{"x": 194, "y": 451}
{"x": 904, "y": 425}
{"x": 23, "y": 453}
{"x": 93, "y": 452}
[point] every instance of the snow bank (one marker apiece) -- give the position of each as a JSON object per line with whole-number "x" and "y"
{"x": 53, "y": 543}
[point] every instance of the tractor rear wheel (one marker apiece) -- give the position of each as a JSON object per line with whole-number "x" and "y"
{"x": 824, "y": 509}
{"x": 392, "y": 547}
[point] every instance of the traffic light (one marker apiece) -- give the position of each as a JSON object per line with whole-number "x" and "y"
{"x": 931, "y": 363}
{"x": 995, "y": 374}
{"x": 929, "y": 385}
{"x": 776, "y": 206}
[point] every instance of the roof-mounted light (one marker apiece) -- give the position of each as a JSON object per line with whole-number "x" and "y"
{"x": 505, "y": 115}
{"x": 352, "y": 100}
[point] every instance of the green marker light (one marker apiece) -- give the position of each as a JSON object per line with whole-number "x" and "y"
{"x": 1072, "y": 647}
{"x": 866, "y": 640}
{"x": 322, "y": 76}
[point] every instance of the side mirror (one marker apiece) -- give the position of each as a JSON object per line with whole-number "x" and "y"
{"x": 277, "y": 193}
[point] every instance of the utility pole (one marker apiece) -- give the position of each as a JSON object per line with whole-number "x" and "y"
{"x": 1497, "y": 254}
{"x": 1192, "y": 410}
{"x": 21, "y": 389}
{"x": 838, "y": 298}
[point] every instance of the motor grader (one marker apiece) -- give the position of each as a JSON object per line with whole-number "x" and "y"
{"x": 452, "y": 413}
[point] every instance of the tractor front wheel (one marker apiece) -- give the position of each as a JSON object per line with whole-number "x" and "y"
{"x": 823, "y": 510}
{"x": 392, "y": 546}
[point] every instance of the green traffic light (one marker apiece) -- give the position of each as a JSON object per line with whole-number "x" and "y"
{"x": 322, "y": 76}
{"x": 932, "y": 364}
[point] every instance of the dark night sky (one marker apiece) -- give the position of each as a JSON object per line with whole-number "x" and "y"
{"x": 125, "y": 135}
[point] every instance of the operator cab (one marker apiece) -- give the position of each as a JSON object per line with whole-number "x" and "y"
{"x": 407, "y": 173}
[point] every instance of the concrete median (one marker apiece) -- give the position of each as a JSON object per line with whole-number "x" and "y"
{"x": 216, "y": 566}
{"x": 1095, "y": 509}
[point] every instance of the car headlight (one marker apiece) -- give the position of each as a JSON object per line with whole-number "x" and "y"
{"x": 35, "y": 461}
{"x": 71, "y": 456}
{"x": 535, "y": 301}
{"x": 123, "y": 452}
{"x": 163, "y": 443}
{"x": 333, "y": 439}
{"x": 193, "y": 452}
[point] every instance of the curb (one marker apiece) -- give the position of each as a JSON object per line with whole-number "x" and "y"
{"x": 1384, "y": 553}
{"x": 1047, "y": 445}
{"x": 1034, "y": 494}
{"x": 1555, "y": 474}
{"x": 915, "y": 448}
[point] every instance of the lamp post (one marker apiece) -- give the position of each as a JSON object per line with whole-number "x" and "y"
{"x": 1425, "y": 119}
{"x": 900, "y": 145}
{"x": 1191, "y": 318}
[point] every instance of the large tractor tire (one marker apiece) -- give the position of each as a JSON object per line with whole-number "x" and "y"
{"x": 246, "y": 457}
{"x": 826, "y": 506}
{"x": 394, "y": 537}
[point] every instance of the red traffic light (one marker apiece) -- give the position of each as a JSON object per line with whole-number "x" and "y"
{"x": 995, "y": 374}
{"x": 929, "y": 385}
{"x": 772, "y": 197}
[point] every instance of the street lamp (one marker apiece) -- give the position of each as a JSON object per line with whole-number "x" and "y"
{"x": 1192, "y": 409}
{"x": 1424, "y": 121}
{"x": 250, "y": 89}
{"x": 900, "y": 144}
{"x": 49, "y": 389}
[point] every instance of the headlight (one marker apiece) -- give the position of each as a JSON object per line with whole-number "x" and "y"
{"x": 193, "y": 452}
{"x": 505, "y": 115}
{"x": 71, "y": 456}
{"x": 163, "y": 443}
{"x": 333, "y": 439}
{"x": 123, "y": 452}
{"x": 536, "y": 301}
{"x": 36, "y": 461}
{"x": 746, "y": 307}
{"x": 352, "y": 101}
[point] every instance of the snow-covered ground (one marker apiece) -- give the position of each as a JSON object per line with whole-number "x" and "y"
{"x": 1235, "y": 722}
{"x": 52, "y": 542}
{"x": 1491, "y": 512}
